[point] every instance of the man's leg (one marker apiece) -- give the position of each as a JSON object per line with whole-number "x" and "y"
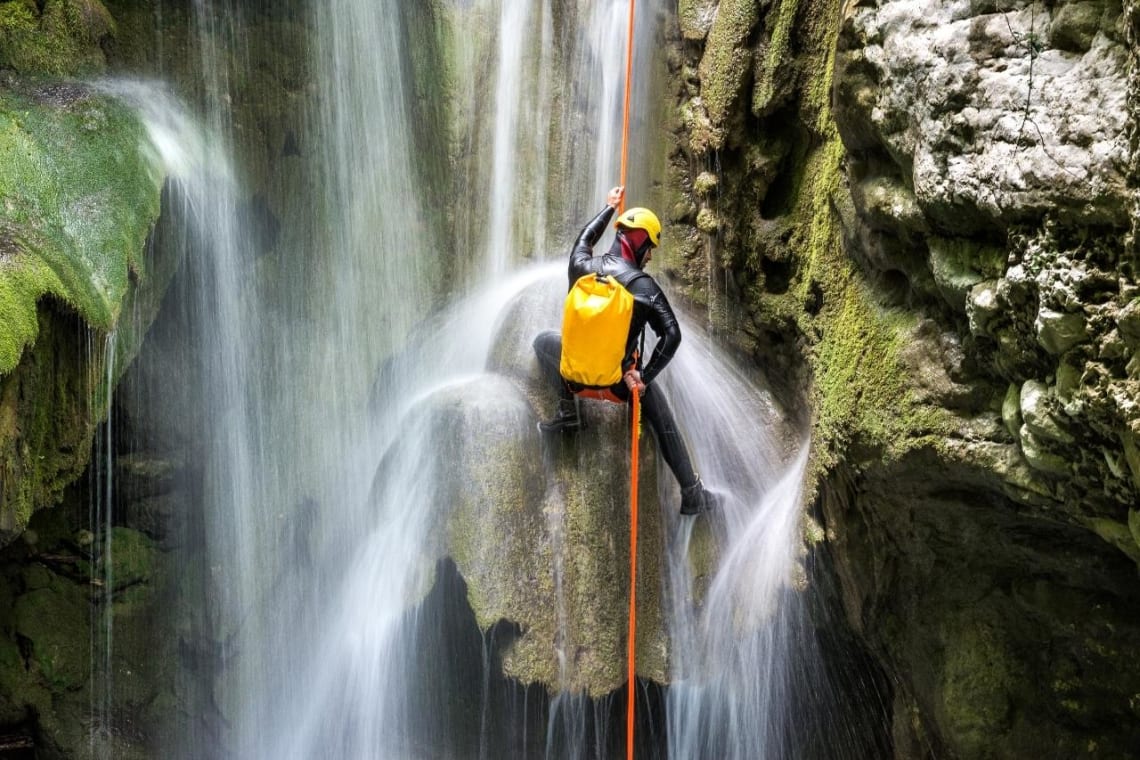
{"x": 695, "y": 497}
{"x": 659, "y": 415}
{"x": 548, "y": 350}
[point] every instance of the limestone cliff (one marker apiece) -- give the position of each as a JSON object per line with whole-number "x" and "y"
{"x": 929, "y": 208}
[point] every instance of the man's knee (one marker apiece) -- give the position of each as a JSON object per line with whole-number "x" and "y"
{"x": 546, "y": 341}
{"x": 548, "y": 350}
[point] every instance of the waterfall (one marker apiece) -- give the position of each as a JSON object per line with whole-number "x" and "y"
{"x": 323, "y": 376}
{"x": 220, "y": 377}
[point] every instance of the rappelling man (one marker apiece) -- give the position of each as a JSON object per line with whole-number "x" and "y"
{"x": 617, "y": 274}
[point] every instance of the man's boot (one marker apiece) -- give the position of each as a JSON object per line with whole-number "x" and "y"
{"x": 566, "y": 420}
{"x": 696, "y": 499}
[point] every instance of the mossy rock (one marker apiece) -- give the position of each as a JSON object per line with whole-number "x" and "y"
{"x": 81, "y": 190}
{"x": 727, "y": 62}
{"x": 55, "y": 37}
{"x": 14, "y": 684}
{"x": 81, "y": 193}
{"x": 696, "y": 17}
{"x": 1074, "y": 26}
{"x": 978, "y": 678}
{"x": 539, "y": 532}
{"x": 131, "y": 560}
{"x": 55, "y": 620}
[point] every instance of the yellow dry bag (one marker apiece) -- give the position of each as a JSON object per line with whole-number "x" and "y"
{"x": 595, "y": 328}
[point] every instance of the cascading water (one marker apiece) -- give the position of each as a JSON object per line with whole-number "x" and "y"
{"x": 729, "y": 696}
{"x": 201, "y": 198}
{"x": 103, "y": 620}
{"x": 510, "y": 109}
{"x": 325, "y": 384}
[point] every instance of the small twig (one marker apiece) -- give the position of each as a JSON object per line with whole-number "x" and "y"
{"x": 1033, "y": 46}
{"x": 63, "y": 559}
{"x": 16, "y": 741}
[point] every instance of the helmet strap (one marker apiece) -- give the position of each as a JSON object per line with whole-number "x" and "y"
{"x": 639, "y": 254}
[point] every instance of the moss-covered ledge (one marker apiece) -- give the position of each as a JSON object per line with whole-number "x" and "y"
{"x": 81, "y": 192}
{"x": 54, "y": 37}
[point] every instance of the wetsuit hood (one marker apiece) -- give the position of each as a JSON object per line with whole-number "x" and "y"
{"x": 623, "y": 247}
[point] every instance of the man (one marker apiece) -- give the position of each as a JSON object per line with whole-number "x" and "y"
{"x": 638, "y": 233}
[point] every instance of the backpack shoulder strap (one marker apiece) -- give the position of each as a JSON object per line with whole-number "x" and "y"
{"x": 628, "y": 277}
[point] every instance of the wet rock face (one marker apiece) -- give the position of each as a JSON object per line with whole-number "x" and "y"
{"x": 988, "y": 160}
{"x": 991, "y": 116}
{"x": 1005, "y": 627}
{"x": 539, "y": 529}
{"x": 81, "y": 199}
{"x": 63, "y": 590}
{"x": 989, "y": 155}
{"x": 986, "y": 542}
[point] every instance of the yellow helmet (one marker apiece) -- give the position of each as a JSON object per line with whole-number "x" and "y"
{"x": 641, "y": 219}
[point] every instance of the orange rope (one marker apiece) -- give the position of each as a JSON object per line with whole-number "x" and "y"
{"x": 632, "y": 638}
{"x": 632, "y": 574}
{"x": 625, "y": 105}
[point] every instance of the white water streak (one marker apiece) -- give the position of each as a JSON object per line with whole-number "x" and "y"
{"x": 515, "y": 24}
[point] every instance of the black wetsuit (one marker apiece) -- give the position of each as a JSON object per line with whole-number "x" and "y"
{"x": 650, "y": 307}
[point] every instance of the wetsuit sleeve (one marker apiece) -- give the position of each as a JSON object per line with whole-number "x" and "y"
{"x": 664, "y": 324}
{"x": 583, "y": 249}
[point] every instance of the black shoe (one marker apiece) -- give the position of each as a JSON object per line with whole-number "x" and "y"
{"x": 696, "y": 499}
{"x": 566, "y": 420}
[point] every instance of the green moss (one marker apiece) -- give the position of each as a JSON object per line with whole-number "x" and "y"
{"x": 14, "y": 687}
{"x": 822, "y": 28}
{"x": 860, "y": 392}
{"x": 695, "y": 17}
{"x": 61, "y": 40}
{"x": 977, "y": 679}
{"x": 131, "y": 561}
{"x": 55, "y": 620}
{"x": 80, "y": 193}
{"x": 776, "y": 56}
{"x": 80, "y": 197}
{"x": 727, "y": 58}
{"x": 705, "y": 184}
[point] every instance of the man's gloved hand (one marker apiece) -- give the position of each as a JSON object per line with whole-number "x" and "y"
{"x": 632, "y": 380}
{"x": 615, "y": 197}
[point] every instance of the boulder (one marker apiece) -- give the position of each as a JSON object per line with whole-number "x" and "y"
{"x": 1037, "y": 404}
{"x": 538, "y": 529}
{"x": 83, "y": 193}
{"x": 1057, "y": 332}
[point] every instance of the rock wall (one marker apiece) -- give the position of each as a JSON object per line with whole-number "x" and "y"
{"x": 88, "y": 660}
{"x": 80, "y": 285}
{"x": 928, "y": 212}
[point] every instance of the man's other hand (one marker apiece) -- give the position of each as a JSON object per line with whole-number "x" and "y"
{"x": 615, "y": 197}
{"x": 632, "y": 379}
